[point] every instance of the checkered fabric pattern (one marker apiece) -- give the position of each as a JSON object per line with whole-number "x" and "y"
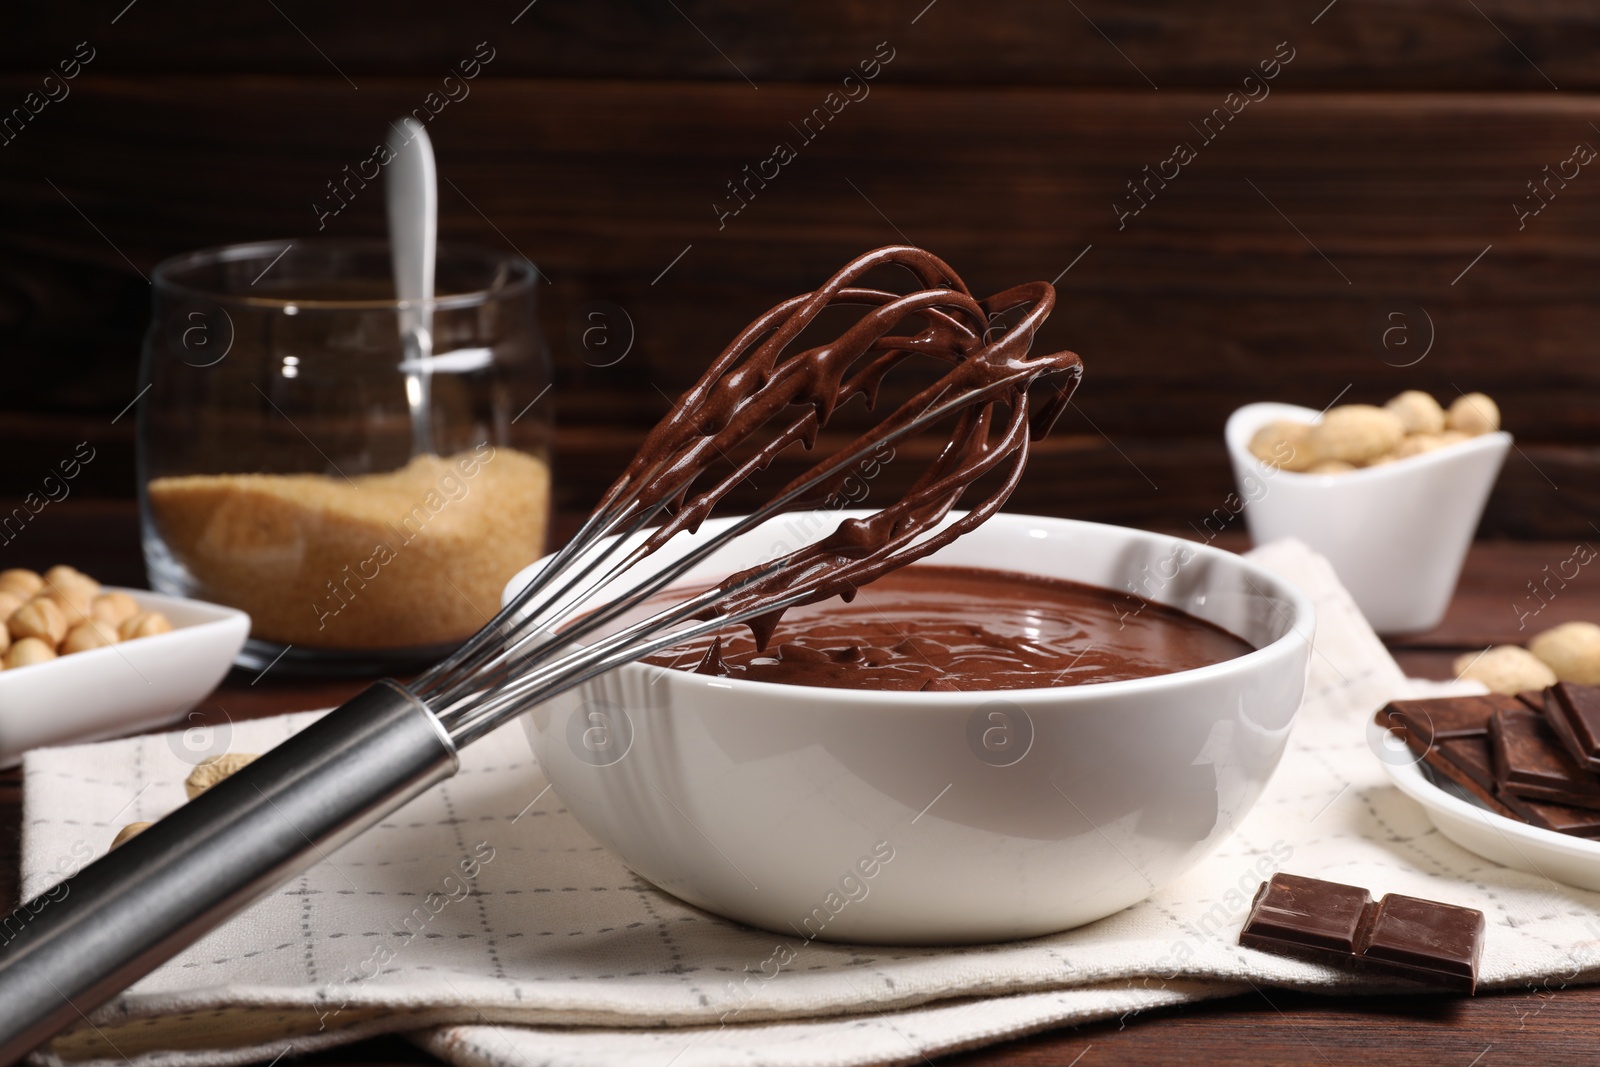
{"x": 485, "y": 921}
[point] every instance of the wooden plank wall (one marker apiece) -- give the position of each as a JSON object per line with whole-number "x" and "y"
{"x": 1380, "y": 170}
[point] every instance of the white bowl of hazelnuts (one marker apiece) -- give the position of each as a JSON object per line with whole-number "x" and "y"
{"x": 1390, "y": 495}
{"x": 80, "y": 662}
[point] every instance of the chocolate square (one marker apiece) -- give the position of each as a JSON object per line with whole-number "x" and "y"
{"x": 1422, "y": 940}
{"x": 1573, "y": 712}
{"x": 1438, "y": 942}
{"x": 1530, "y": 762}
{"x": 1579, "y": 822}
{"x": 1291, "y": 910}
{"x": 1467, "y": 762}
{"x": 1472, "y": 756}
{"x": 1462, "y": 758}
{"x": 1441, "y": 719}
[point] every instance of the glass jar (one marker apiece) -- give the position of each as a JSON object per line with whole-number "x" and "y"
{"x": 361, "y": 475}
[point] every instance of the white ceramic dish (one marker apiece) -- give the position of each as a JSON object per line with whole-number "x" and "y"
{"x": 123, "y": 688}
{"x": 939, "y": 817}
{"x": 1397, "y": 534}
{"x": 1513, "y": 844}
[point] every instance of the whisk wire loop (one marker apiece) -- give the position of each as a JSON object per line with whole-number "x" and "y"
{"x": 534, "y": 647}
{"x": 501, "y": 689}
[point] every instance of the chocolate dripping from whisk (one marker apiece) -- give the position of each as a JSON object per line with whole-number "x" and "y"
{"x": 754, "y": 383}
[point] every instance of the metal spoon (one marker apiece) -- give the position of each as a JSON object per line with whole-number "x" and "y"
{"x": 411, "y": 187}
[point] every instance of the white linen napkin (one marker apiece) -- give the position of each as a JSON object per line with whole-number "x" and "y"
{"x": 484, "y": 918}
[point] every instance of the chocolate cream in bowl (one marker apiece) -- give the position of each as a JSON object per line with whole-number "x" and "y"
{"x": 928, "y": 627}
{"x": 854, "y": 609}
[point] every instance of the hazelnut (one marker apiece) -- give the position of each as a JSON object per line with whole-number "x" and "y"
{"x": 1284, "y": 444}
{"x": 62, "y": 576}
{"x": 42, "y": 619}
{"x": 144, "y": 624}
{"x": 5, "y": 641}
{"x": 1473, "y": 414}
{"x": 92, "y": 633}
{"x": 1331, "y": 466}
{"x": 73, "y": 610}
{"x": 24, "y": 583}
{"x": 208, "y": 772}
{"x": 10, "y": 601}
{"x": 75, "y": 599}
{"x": 130, "y": 831}
{"x": 1417, "y": 443}
{"x": 1418, "y": 412}
{"x": 113, "y": 607}
{"x": 1356, "y": 433}
{"x": 1505, "y": 669}
{"x": 27, "y": 652}
{"x": 1572, "y": 650}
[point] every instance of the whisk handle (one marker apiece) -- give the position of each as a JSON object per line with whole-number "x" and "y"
{"x": 77, "y": 945}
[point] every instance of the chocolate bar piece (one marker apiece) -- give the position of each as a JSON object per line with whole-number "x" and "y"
{"x": 1305, "y": 912}
{"x": 1451, "y": 736}
{"x": 1530, "y": 762}
{"x": 1423, "y": 940}
{"x": 1427, "y": 940}
{"x": 1472, "y": 756}
{"x": 1463, "y": 757}
{"x": 1573, "y": 712}
{"x": 1442, "y": 719}
{"x": 1579, "y": 822}
{"x": 1469, "y": 764}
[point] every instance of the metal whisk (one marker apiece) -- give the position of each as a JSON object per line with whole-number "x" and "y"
{"x": 125, "y": 914}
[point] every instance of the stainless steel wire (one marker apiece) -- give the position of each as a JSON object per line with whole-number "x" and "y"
{"x": 570, "y": 622}
{"x": 530, "y": 652}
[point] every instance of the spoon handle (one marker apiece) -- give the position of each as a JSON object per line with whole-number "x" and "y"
{"x": 411, "y": 189}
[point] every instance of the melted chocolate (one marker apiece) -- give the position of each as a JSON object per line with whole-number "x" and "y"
{"x": 981, "y": 407}
{"x": 764, "y": 395}
{"x": 932, "y": 627}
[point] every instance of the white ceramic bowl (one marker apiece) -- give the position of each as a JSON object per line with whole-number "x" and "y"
{"x": 1397, "y": 534}
{"x": 124, "y": 688}
{"x": 939, "y": 817}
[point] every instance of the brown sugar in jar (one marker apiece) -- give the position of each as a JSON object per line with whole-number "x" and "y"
{"x": 407, "y": 559}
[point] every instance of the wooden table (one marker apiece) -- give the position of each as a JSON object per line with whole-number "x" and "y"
{"x": 1534, "y": 1026}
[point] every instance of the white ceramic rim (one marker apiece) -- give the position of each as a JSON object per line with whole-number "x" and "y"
{"x": 1245, "y": 421}
{"x": 1301, "y": 627}
{"x": 1410, "y": 780}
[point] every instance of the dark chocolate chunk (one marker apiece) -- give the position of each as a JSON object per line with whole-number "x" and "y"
{"x": 1573, "y": 712}
{"x": 1306, "y": 912}
{"x": 1464, "y": 759}
{"x": 1471, "y": 755}
{"x": 1468, "y": 763}
{"x": 1533, "y": 699}
{"x": 1431, "y": 941}
{"x": 1579, "y": 822}
{"x": 1463, "y": 763}
{"x": 1530, "y": 762}
{"x": 1423, "y": 940}
{"x": 1424, "y": 722}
